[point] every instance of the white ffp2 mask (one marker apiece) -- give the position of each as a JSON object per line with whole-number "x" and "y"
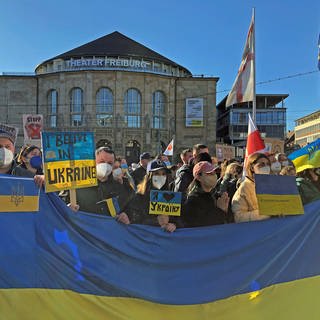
{"x": 6, "y": 157}
{"x": 159, "y": 181}
{"x": 103, "y": 170}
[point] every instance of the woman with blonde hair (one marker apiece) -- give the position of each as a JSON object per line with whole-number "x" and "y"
{"x": 244, "y": 203}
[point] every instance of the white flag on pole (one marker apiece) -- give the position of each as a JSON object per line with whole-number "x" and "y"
{"x": 169, "y": 150}
{"x": 243, "y": 87}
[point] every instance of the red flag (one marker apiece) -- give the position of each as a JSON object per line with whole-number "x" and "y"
{"x": 254, "y": 140}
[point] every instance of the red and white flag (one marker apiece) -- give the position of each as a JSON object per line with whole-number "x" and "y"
{"x": 169, "y": 150}
{"x": 243, "y": 87}
{"x": 254, "y": 140}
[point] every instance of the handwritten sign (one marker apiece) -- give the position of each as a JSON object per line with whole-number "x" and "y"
{"x": 165, "y": 202}
{"x": 69, "y": 160}
{"x": 278, "y": 195}
{"x": 32, "y": 127}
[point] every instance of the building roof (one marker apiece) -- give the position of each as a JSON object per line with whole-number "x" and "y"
{"x": 272, "y": 100}
{"x": 309, "y": 117}
{"x": 115, "y": 44}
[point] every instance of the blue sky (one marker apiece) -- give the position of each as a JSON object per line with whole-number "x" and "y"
{"x": 205, "y": 36}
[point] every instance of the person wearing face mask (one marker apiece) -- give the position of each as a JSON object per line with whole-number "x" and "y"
{"x": 93, "y": 199}
{"x": 275, "y": 167}
{"x": 229, "y": 184}
{"x": 8, "y": 165}
{"x": 201, "y": 207}
{"x": 244, "y": 202}
{"x": 282, "y": 158}
{"x": 138, "y": 209}
{"x": 30, "y": 159}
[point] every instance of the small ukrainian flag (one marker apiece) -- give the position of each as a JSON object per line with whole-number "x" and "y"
{"x": 113, "y": 206}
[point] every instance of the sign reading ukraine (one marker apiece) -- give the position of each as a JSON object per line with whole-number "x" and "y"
{"x": 165, "y": 202}
{"x": 69, "y": 160}
{"x": 278, "y": 195}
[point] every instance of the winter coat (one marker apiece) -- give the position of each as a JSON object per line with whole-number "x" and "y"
{"x": 183, "y": 178}
{"x": 92, "y": 199}
{"x": 245, "y": 204}
{"x": 200, "y": 209}
{"x": 308, "y": 191}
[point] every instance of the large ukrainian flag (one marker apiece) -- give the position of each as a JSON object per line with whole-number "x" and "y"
{"x": 60, "y": 265}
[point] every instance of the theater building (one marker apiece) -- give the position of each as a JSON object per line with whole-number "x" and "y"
{"x": 131, "y": 97}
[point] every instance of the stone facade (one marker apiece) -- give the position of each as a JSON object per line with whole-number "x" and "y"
{"x": 29, "y": 94}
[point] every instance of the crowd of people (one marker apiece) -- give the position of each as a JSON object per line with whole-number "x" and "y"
{"x": 212, "y": 192}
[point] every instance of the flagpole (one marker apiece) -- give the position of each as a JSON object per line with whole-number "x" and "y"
{"x": 254, "y": 102}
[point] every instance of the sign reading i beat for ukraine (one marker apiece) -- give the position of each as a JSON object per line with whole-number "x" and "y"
{"x": 69, "y": 160}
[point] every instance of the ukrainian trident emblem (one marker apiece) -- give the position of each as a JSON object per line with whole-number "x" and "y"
{"x": 17, "y": 194}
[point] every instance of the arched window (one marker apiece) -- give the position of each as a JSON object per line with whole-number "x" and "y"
{"x": 132, "y": 108}
{"x": 104, "y": 107}
{"x": 53, "y": 108}
{"x": 76, "y": 107}
{"x": 158, "y": 110}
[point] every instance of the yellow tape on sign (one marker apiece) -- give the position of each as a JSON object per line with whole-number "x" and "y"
{"x": 61, "y": 175}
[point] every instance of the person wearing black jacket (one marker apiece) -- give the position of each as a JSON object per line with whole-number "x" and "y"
{"x": 93, "y": 199}
{"x": 201, "y": 208}
{"x": 138, "y": 208}
{"x": 139, "y": 173}
{"x": 184, "y": 174}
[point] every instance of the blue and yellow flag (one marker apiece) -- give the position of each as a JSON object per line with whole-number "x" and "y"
{"x": 277, "y": 195}
{"x": 60, "y": 265}
{"x": 18, "y": 194}
{"x": 113, "y": 206}
{"x": 307, "y": 157}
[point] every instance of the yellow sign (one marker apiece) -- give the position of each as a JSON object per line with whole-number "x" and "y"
{"x": 165, "y": 202}
{"x": 62, "y": 175}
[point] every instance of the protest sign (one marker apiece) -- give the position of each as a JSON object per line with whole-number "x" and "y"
{"x": 278, "y": 195}
{"x": 32, "y": 127}
{"x": 165, "y": 202}
{"x": 69, "y": 160}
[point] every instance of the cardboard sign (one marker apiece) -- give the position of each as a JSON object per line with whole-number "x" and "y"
{"x": 278, "y": 195}
{"x": 69, "y": 160}
{"x": 225, "y": 152}
{"x": 165, "y": 202}
{"x": 32, "y": 127}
